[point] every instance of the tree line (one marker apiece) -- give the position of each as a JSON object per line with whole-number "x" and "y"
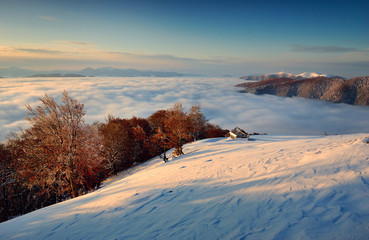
{"x": 60, "y": 156}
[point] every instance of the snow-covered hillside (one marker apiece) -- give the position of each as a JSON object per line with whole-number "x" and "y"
{"x": 272, "y": 187}
{"x": 311, "y": 75}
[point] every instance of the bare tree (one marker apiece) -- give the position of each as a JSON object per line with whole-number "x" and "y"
{"x": 51, "y": 144}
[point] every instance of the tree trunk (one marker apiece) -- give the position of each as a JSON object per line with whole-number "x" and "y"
{"x": 115, "y": 170}
{"x": 164, "y": 157}
{"x": 72, "y": 180}
{"x": 180, "y": 150}
{"x": 73, "y": 185}
{"x": 6, "y": 207}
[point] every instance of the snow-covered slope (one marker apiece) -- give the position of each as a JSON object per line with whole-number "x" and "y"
{"x": 273, "y": 187}
{"x": 269, "y": 76}
{"x": 311, "y": 75}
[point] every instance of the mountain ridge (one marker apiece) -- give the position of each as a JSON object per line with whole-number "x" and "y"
{"x": 352, "y": 91}
{"x": 286, "y": 75}
{"x": 97, "y": 72}
{"x": 56, "y": 75}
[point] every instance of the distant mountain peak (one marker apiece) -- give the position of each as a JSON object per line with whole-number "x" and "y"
{"x": 89, "y": 71}
{"x": 87, "y": 68}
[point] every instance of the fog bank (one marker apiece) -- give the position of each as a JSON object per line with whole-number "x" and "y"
{"x": 220, "y": 101}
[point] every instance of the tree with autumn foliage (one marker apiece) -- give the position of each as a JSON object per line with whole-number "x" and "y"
{"x": 7, "y": 180}
{"x": 56, "y": 148}
{"x": 197, "y": 122}
{"x": 178, "y": 128}
{"x": 90, "y": 160}
{"x": 126, "y": 142}
{"x": 60, "y": 156}
{"x": 142, "y": 132}
{"x": 213, "y": 131}
{"x": 161, "y": 144}
{"x": 174, "y": 127}
{"x": 159, "y": 141}
{"x": 117, "y": 138}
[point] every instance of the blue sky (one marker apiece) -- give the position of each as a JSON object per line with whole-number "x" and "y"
{"x": 206, "y": 37}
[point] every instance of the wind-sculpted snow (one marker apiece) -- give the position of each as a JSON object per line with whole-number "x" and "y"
{"x": 219, "y": 99}
{"x": 268, "y": 188}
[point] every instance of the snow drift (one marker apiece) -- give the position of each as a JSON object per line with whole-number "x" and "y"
{"x": 273, "y": 187}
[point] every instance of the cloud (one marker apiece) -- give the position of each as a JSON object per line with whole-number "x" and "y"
{"x": 87, "y": 52}
{"x": 171, "y": 58}
{"x": 357, "y": 64}
{"x": 47, "y": 18}
{"x": 220, "y": 101}
{"x": 322, "y": 49}
{"x": 75, "y": 55}
{"x": 37, "y": 50}
{"x": 74, "y": 43}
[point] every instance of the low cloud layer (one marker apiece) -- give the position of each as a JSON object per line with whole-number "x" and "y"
{"x": 322, "y": 49}
{"x": 220, "y": 101}
{"x": 47, "y": 18}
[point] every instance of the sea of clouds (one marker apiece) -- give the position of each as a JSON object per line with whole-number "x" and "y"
{"x": 220, "y": 101}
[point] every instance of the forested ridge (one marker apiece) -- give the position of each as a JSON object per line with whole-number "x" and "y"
{"x": 60, "y": 156}
{"x": 352, "y": 91}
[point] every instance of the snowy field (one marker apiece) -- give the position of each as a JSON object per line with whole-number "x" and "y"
{"x": 273, "y": 187}
{"x": 220, "y": 102}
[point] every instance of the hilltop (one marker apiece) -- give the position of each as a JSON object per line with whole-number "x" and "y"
{"x": 272, "y": 187}
{"x": 352, "y": 91}
{"x": 286, "y": 75}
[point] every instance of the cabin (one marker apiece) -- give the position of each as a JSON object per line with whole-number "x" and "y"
{"x": 238, "y": 133}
